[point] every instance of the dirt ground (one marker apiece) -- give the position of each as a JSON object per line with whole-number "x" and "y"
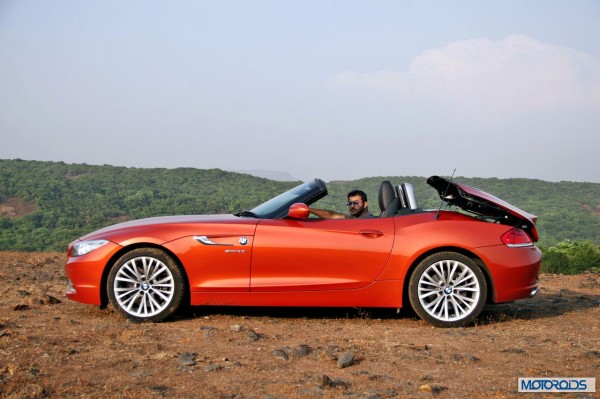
{"x": 52, "y": 347}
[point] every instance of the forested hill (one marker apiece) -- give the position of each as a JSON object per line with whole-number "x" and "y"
{"x": 45, "y": 205}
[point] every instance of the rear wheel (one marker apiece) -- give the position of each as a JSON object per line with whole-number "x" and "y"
{"x": 146, "y": 284}
{"x": 447, "y": 289}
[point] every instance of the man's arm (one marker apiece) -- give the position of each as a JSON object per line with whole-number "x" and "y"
{"x": 327, "y": 214}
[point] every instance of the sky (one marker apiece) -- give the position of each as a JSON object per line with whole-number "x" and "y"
{"x": 338, "y": 90}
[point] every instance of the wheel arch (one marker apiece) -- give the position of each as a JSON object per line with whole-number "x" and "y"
{"x": 471, "y": 255}
{"x": 111, "y": 262}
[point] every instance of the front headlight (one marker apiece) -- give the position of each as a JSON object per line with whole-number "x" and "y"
{"x": 84, "y": 247}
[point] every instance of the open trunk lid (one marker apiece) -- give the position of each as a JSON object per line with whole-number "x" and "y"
{"x": 485, "y": 205}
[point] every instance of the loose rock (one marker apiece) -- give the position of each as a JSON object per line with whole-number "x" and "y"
{"x": 302, "y": 350}
{"x": 346, "y": 359}
{"x": 280, "y": 353}
{"x": 213, "y": 368}
{"x": 187, "y": 359}
{"x": 50, "y": 300}
{"x": 433, "y": 389}
{"x": 253, "y": 336}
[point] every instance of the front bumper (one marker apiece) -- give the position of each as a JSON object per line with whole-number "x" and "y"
{"x": 86, "y": 274}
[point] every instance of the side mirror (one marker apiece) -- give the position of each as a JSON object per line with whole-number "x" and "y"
{"x": 299, "y": 211}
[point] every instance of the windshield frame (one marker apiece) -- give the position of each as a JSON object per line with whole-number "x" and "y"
{"x": 278, "y": 207}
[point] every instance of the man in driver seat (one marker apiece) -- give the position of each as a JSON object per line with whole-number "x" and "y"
{"x": 358, "y": 206}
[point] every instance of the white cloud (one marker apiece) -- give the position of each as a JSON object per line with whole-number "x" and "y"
{"x": 516, "y": 74}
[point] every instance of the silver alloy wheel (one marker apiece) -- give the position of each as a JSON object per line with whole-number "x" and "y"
{"x": 144, "y": 286}
{"x": 449, "y": 290}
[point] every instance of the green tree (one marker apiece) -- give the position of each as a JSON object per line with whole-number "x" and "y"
{"x": 569, "y": 257}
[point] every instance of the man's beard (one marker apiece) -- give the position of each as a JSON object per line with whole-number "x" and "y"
{"x": 358, "y": 212}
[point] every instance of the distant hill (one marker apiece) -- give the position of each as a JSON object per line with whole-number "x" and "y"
{"x": 45, "y": 205}
{"x": 268, "y": 174}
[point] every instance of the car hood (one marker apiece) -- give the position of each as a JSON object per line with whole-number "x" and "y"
{"x": 166, "y": 227}
{"x": 481, "y": 203}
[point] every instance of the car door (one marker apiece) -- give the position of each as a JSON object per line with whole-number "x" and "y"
{"x": 319, "y": 254}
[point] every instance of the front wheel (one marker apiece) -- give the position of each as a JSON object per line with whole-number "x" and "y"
{"x": 447, "y": 289}
{"x": 146, "y": 284}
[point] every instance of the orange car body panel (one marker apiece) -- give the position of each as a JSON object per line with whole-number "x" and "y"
{"x": 320, "y": 254}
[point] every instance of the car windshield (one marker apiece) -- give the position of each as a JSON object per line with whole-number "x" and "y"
{"x": 297, "y": 194}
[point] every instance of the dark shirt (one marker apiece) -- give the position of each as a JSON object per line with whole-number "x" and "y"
{"x": 365, "y": 215}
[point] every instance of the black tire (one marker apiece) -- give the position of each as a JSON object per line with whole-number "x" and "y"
{"x": 447, "y": 289}
{"x": 146, "y": 284}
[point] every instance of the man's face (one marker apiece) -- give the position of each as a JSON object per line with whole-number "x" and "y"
{"x": 356, "y": 206}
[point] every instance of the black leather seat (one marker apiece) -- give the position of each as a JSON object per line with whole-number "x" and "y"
{"x": 388, "y": 201}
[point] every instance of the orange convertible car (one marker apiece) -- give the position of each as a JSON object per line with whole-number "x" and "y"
{"x": 445, "y": 264}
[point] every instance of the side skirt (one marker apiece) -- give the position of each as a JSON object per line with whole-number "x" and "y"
{"x": 381, "y": 294}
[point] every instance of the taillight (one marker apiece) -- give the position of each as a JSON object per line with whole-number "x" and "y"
{"x": 515, "y": 238}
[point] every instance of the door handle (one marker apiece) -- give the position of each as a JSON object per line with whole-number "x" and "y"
{"x": 371, "y": 233}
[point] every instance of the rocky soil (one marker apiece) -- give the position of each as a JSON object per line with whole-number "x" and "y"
{"x": 52, "y": 347}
